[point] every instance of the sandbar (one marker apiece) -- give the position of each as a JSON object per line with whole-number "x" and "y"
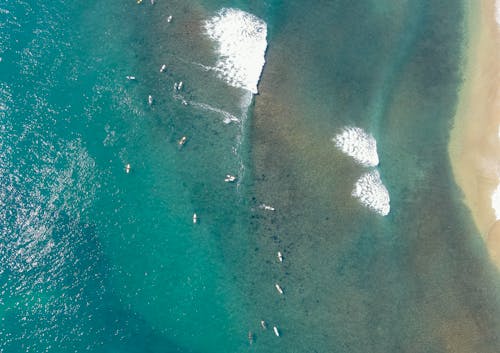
{"x": 475, "y": 138}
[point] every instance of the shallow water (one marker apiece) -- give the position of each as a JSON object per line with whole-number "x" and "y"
{"x": 97, "y": 259}
{"x": 396, "y": 283}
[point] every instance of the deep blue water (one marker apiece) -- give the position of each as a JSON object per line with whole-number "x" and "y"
{"x": 94, "y": 259}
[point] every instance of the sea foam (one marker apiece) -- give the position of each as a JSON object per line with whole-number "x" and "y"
{"x": 241, "y": 46}
{"x": 358, "y": 144}
{"x": 372, "y": 193}
{"x": 495, "y": 202}
{"x": 497, "y": 13}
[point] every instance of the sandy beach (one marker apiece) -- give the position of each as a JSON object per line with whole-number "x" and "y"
{"x": 475, "y": 139}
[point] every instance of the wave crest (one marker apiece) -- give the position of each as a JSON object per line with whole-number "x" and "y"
{"x": 372, "y": 193}
{"x": 241, "y": 45}
{"x": 358, "y": 144}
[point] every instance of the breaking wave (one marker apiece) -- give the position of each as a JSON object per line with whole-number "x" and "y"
{"x": 495, "y": 202}
{"x": 358, "y": 144}
{"x": 241, "y": 45}
{"x": 497, "y": 13}
{"x": 372, "y": 193}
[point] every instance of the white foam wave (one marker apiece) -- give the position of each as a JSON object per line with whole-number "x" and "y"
{"x": 495, "y": 202}
{"x": 372, "y": 193}
{"x": 495, "y": 197}
{"x": 241, "y": 45}
{"x": 358, "y": 144}
{"x": 497, "y": 13}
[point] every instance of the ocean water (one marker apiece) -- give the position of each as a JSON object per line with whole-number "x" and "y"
{"x": 95, "y": 259}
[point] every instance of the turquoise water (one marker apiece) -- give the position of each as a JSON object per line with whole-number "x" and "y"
{"x": 98, "y": 260}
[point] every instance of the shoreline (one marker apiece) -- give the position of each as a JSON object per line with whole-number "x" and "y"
{"x": 474, "y": 146}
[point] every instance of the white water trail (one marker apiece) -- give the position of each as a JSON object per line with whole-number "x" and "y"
{"x": 228, "y": 117}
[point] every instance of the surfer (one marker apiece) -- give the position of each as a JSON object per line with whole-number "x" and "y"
{"x": 276, "y": 332}
{"x": 182, "y": 141}
{"x": 266, "y": 207}
{"x": 229, "y": 178}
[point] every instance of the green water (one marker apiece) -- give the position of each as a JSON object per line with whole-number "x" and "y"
{"x": 98, "y": 260}
{"x": 409, "y": 282}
